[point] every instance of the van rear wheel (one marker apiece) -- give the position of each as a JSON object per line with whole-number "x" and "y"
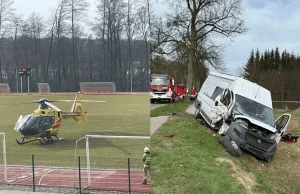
{"x": 230, "y": 146}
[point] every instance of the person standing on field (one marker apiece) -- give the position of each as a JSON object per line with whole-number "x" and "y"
{"x": 146, "y": 161}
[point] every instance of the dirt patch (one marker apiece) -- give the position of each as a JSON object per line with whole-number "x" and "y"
{"x": 167, "y": 143}
{"x": 247, "y": 179}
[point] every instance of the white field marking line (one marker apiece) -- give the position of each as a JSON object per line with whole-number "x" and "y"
{"x": 17, "y": 177}
{"x": 104, "y": 175}
{"x": 45, "y": 175}
{"x": 20, "y": 179}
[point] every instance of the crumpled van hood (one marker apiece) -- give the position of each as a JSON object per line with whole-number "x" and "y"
{"x": 256, "y": 122}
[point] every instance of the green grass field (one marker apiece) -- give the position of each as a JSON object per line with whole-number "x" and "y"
{"x": 120, "y": 115}
{"x": 193, "y": 161}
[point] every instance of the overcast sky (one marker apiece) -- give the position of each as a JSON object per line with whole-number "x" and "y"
{"x": 45, "y": 8}
{"x": 270, "y": 23}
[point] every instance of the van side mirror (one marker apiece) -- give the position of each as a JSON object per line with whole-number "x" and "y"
{"x": 216, "y": 103}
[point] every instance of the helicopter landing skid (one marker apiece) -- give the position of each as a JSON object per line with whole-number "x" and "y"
{"x": 23, "y": 142}
{"x": 48, "y": 140}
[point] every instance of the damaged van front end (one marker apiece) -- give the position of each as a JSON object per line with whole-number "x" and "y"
{"x": 242, "y": 113}
{"x": 252, "y": 138}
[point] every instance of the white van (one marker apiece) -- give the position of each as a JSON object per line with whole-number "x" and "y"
{"x": 248, "y": 112}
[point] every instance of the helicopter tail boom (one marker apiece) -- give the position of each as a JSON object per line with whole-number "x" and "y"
{"x": 77, "y": 110}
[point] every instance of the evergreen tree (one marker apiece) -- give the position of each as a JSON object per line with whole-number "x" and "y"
{"x": 257, "y": 58}
{"x": 283, "y": 61}
{"x": 249, "y": 67}
{"x": 293, "y": 61}
{"x": 277, "y": 59}
{"x": 272, "y": 60}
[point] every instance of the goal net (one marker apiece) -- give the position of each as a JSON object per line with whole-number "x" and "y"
{"x": 3, "y": 173}
{"x": 94, "y": 174}
{"x": 43, "y": 88}
{"x": 4, "y": 88}
{"x": 97, "y": 87}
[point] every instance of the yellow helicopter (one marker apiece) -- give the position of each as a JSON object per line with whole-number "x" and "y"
{"x": 44, "y": 122}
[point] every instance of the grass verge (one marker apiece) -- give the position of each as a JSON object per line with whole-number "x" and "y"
{"x": 183, "y": 165}
{"x": 179, "y": 106}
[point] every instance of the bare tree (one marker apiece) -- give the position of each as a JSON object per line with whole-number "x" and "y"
{"x": 78, "y": 10}
{"x": 60, "y": 53}
{"x": 193, "y": 23}
{"x": 6, "y": 16}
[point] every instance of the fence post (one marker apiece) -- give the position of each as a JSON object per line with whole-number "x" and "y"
{"x": 33, "y": 181}
{"x": 129, "y": 187}
{"x": 79, "y": 171}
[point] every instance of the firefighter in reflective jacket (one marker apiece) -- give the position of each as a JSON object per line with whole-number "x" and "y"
{"x": 146, "y": 161}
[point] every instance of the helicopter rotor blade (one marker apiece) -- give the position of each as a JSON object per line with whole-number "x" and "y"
{"x": 53, "y": 106}
{"x": 3, "y": 105}
{"x": 39, "y": 101}
{"x": 79, "y": 101}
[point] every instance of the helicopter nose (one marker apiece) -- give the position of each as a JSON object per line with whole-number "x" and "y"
{"x": 27, "y": 131}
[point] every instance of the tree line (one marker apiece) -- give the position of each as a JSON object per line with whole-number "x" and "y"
{"x": 277, "y": 71}
{"x": 69, "y": 47}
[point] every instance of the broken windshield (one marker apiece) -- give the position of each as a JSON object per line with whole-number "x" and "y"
{"x": 254, "y": 110}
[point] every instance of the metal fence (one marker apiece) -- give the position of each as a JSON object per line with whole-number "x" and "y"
{"x": 60, "y": 174}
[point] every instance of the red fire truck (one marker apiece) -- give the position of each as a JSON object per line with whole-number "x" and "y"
{"x": 162, "y": 87}
{"x": 180, "y": 91}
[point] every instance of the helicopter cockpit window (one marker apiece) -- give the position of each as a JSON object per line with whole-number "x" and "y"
{"x": 22, "y": 121}
{"x": 25, "y": 118}
{"x": 33, "y": 121}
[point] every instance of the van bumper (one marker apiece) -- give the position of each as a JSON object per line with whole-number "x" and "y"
{"x": 257, "y": 145}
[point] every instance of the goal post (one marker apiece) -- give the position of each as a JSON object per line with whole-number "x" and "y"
{"x": 3, "y": 175}
{"x": 43, "y": 88}
{"x": 97, "y": 87}
{"x": 87, "y": 150}
{"x": 4, "y": 88}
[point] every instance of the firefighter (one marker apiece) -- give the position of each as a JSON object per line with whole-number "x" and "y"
{"x": 146, "y": 161}
{"x": 193, "y": 93}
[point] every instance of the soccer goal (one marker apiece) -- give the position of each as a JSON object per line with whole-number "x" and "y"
{"x": 3, "y": 173}
{"x": 97, "y": 87}
{"x": 4, "y": 88}
{"x": 43, "y": 88}
{"x": 87, "y": 150}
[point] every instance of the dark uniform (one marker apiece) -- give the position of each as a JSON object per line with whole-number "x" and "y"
{"x": 146, "y": 161}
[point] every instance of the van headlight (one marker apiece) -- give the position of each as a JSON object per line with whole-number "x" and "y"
{"x": 151, "y": 94}
{"x": 169, "y": 94}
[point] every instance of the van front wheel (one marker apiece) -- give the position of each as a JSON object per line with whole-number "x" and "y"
{"x": 230, "y": 146}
